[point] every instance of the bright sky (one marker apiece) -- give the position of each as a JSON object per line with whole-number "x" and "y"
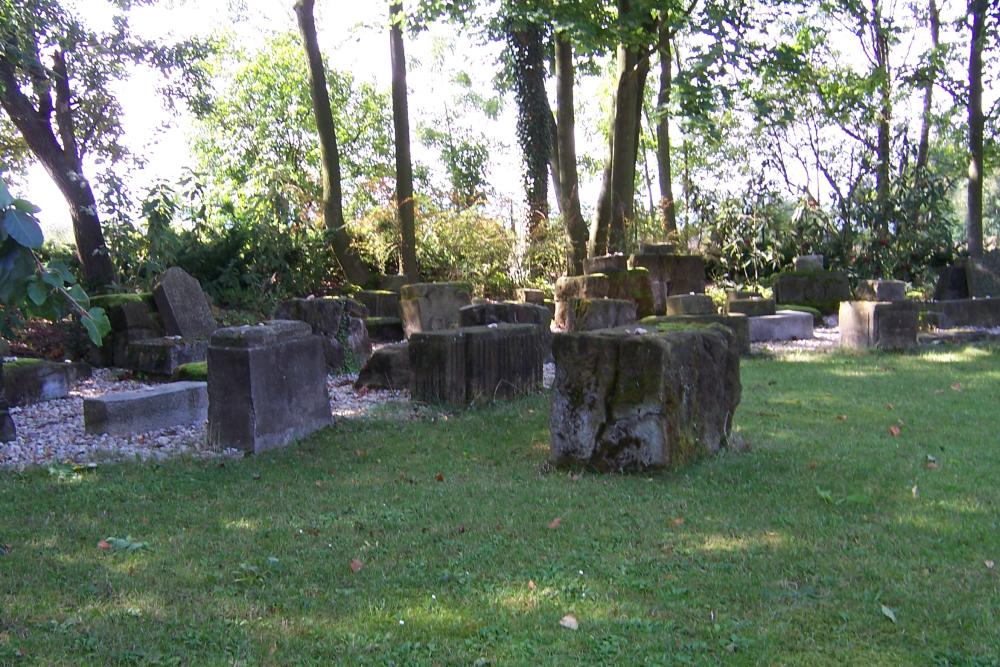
{"x": 352, "y": 36}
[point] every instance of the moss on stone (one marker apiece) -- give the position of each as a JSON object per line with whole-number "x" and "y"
{"x": 108, "y": 301}
{"x": 196, "y": 371}
{"x": 825, "y": 307}
{"x": 22, "y": 362}
{"x": 687, "y": 449}
{"x": 816, "y": 314}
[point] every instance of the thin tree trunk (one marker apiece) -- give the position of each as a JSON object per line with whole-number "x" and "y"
{"x": 623, "y": 163}
{"x": 554, "y": 159}
{"x": 333, "y": 211}
{"x": 667, "y": 207}
{"x": 533, "y": 120}
{"x": 974, "y": 219}
{"x": 576, "y": 228}
{"x": 923, "y": 148}
{"x": 602, "y": 222}
{"x": 884, "y": 156}
{"x": 404, "y": 167}
{"x": 62, "y": 161}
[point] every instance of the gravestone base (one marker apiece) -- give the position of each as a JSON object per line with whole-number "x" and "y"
{"x": 151, "y": 409}
{"x": 783, "y": 325}
{"x": 877, "y": 325}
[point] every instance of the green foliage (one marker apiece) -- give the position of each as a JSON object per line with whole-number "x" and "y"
{"x": 196, "y": 371}
{"x": 29, "y": 288}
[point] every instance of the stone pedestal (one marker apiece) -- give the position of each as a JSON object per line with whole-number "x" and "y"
{"x": 163, "y": 356}
{"x": 881, "y": 290}
{"x": 388, "y": 368}
{"x": 883, "y": 326}
{"x": 28, "y": 381}
{"x": 512, "y": 313}
{"x": 593, "y": 314}
{"x": 266, "y": 386}
{"x": 671, "y": 274}
{"x": 475, "y": 364}
{"x": 690, "y": 304}
{"x": 783, "y": 325}
{"x": 528, "y": 295}
{"x": 433, "y": 306}
{"x": 632, "y": 285}
{"x": 627, "y": 401}
{"x": 380, "y": 303}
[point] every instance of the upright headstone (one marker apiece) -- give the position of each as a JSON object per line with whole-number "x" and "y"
{"x": 808, "y": 262}
{"x": 880, "y": 290}
{"x": 983, "y": 275}
{"x": 529, "y": 295}
{"x": 182, "y": 305}
{"x": 884, "y": 326}
{"x": 265, "y": 388}
{"x": 340, "y": 322}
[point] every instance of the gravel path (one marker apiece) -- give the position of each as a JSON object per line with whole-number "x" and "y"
{"x": 825, "y": 339}
{"x": 52, "y": 432}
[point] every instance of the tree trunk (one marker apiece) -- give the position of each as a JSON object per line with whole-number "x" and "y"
{"x": 576, "y": 228}
{"x": 667, "y": 208}
{"x": 923, "y": 148}
{"x": 533, "y": 120}
{"x": 333, "y": 211}
{"x": 884, "y": 156}
{"x": 63, "y": 163}
{"x": 626, "y": 146}
{"x": 602, "y": 222}
{"x": 404, "y": 166}
{"x": 554, "y": 158}
{"x": 974, "y": 219}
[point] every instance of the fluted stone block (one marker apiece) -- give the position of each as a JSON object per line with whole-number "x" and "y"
{"x": 475, "y": 364}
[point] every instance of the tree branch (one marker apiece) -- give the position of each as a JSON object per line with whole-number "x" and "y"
{"x": 64, "y": 113}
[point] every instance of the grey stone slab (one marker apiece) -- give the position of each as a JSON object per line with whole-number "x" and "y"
{"x": 783, "y": 325}
{"x": 808, "y": 262}
{"x": 880, "y": 290}
{"x": 878, "y": 325}
{"x": 152, "y": 409}
{"x": 182, "y": 305}
{"x": 28, "y": 381}
{"x": 690, "y": 304}
{"x": 751, "y": 307}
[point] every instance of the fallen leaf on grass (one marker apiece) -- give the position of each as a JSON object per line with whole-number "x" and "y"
{"x": 569, "y": 622}
{"x": 439, "y": 477}
{"x": 103, "y": 545}
{"x": 889, "y": 613}
{"x": 5, "y": 549}
{"x": 555, "y": 522}
{"x": 356, "y": 565}
{"x": 679, "y": 521}
{"x": 889, "y": 406}
{"x": 122, "y": 544}
{"x": 989, "y": 564}
{"x": 957, "y": 386}
{"x": 915, "y": 491}
{"x": 894, "y": 431}
{"x": 532, "y": 585}
{"x": 842, "y": 418}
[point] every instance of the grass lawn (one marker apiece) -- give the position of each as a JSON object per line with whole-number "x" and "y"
{"x": 832, "y": 541}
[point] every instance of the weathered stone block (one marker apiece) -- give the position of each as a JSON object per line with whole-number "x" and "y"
{"x": 952, "y": 284}
{"x": 339, "y": 322}
{"x": 433, "y": 306}
{"x": 162, "y": 356}
{"x": 881, "y": 290}
{"x": 808, "y": 262}
{"x": 823, "y": 290}
{"x": 475, "y": 364}
{"x": 657, "y": 248}
{"x": 182, "y": 305}
{"x": 265, "y": 387}
{"x": 592, "y": 314}
{"x": 983, "y": 275}
{"x": 388, "y": 368}
{"x": 385, "y": 329}
{"x": 627, "y": 401}
{"x": 880, "y": 325}
{"x": 671, "y": 274}
{"x": 28, "y": 381}
{"x": 528, "y": 295}
{"x": 734, "y": 294}
{"x": 738, "y": 323}
{"x": 380, "y": 303}
{"x": 150, "y": 409}
{"x": 690, "y": 304}
{"x": 753, "y": 307}
{"x": 511, "y": 312}
{"x": 631, "y": 285}
{"x": 605, "y": 264}
{"x": 783, "y": 325}
{"x": 393, "y": 283}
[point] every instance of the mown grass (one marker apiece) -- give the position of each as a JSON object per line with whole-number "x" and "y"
{"x": 785, "y": 554}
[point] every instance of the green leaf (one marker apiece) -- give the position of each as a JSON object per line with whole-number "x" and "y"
{"x": 825, "y": 495}
{"x": 23, "y": 228}
{"x": 16, "y": 266}
{"x": 77, "y": 294}
{"x": 5, "y": 198}
{"x": 889, "y": 613}
{"x": 25, "y": 206}
{"x": 59, "y": 268}
{"x": 38, "y": 292}
{"x": 97, "y": 325}
{"x": 126, "y": 543}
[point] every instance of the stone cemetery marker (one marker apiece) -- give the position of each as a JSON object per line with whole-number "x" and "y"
{"x": 182, "y": 305}
{"x": 266, "y": 386}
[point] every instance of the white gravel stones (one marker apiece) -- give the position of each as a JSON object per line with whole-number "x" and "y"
{"x": 825, "y": 339}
